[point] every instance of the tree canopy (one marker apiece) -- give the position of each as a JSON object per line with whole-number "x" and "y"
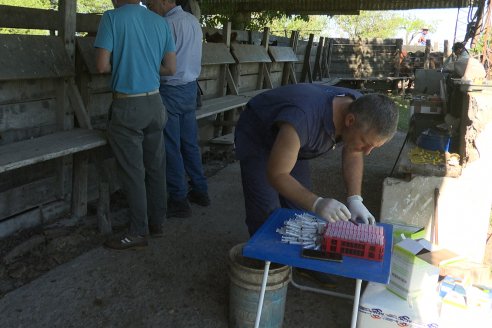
{"x": 380, "y": 24}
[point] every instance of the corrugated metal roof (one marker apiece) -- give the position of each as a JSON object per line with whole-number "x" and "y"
{"x": 326, "y": 7}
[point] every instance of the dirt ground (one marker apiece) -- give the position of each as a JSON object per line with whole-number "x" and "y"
{"x": 60, "y": 275}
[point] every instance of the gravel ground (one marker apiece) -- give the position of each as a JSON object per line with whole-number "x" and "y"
{"x": 60, "y": 276}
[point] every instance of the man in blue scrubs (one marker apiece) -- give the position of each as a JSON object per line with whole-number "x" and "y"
{"x": 281, "y": 129}
{"x": 131, "y": 43}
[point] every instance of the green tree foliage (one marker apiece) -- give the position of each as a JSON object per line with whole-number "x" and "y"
{"x": 83, "y": 6}
{"x": 93, "y": 6}
{"x": 380, "y": 24}
{"x": 304, "y": 24}
{"x": 279, "y": 23}
{"x": 369, "y": 24}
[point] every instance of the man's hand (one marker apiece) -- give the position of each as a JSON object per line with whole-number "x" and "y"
{"x": 358, "y": 210}
{"x": 330, "y": 209}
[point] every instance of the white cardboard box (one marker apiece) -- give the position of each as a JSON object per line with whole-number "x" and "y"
{"x": 410, "y": 273}
{"x": 380, "y": 308}
{"x": 426, "y": 106}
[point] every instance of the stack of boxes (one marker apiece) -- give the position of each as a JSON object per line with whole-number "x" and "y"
{"x": 415, "y": 297}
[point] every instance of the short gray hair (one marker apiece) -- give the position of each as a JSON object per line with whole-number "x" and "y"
{"x": 375, "y": 112}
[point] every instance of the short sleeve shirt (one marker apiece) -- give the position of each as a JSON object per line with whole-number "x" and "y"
{"x": 138, "y": 39}
{"x": 307, "y": 107}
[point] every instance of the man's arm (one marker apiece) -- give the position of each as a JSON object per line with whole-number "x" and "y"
{"x": 168, "y": 65}
{"x": 282, "y": 160}
{"x": 103, "y": 60}
{"x": 353, "y": 170}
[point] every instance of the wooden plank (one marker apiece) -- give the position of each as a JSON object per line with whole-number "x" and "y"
{"x": 218, "y": 105}
{"x": 26, "y": 115}
{"x": 29, "y": 18}
{"x": 85, "y": 48}
{"x": 251, "y": 94}
{"x": 317, "y": 71}
{"x": 11, "y": 136}
{"x": 78, "y": 105}
{"x": 209, "y": 72}
{"x": 88, "y": 22}
{"x": 282, "y": 54}
{"x": 250, "y": 53}
{"x": 99, "y": 104}
{"x": 27, "y": 152}
{"x": 42, "y": 214}
{"x": 79, "y": 187}
{"x": 27, "y": 196}
{"x": 23, "y": 91}
{"x": 67, "y": 10}
{"x": 306, "y": 67}
{"x": 25, "y": 57}
{"x": 216, "y": 54}
{"x": 25, "y": 175}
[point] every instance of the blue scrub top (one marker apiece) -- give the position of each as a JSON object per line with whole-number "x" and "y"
{"x": 307, "y": 107}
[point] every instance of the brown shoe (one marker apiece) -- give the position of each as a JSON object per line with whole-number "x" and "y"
{"x": 127, "y": 242}
{"x": 199, "y": 198}
{"x": 156, "y": 230}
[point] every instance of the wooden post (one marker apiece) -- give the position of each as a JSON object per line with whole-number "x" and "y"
{"x": 68, "y": 16}
{"x": 328, "y": 57}
{"x": 288, "y": 72}
{"x": 446, "y": 53}
{"x": 306, "y": 68}
{"x": 317, "y": 61}
{"x": 398, "y": 60}
{"x": 427, "y": 53}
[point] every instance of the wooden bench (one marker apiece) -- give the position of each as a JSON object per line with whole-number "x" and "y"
{"x": 31, "y": 151}
{"x": 283, "y": 60}
{"x": 219, "y": 88}
{"x": 40, "y": 150}
{"x": 251, "y": 71}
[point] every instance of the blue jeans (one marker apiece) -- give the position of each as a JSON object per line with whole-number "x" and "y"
{"x": 181, "y": 140}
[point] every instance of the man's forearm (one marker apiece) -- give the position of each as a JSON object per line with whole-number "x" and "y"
{"x": 352, "y": 170}
{"x": 291, "y": 189}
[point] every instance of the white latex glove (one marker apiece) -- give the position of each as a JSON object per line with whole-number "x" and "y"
{"x": 358, "y": 210}
{"x": 330, "y": 209}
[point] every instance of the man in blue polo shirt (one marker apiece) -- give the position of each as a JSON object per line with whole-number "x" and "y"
{"x": 136, "y": 46}
{"x": 281, "y": 129}
{"x": 178, "y": 94}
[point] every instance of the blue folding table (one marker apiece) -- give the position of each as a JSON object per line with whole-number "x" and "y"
{"x": 266, "y": 245}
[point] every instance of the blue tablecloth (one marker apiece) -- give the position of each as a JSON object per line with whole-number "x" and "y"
{"x": 266, "y": 245}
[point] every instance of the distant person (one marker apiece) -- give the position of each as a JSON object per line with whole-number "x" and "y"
{"x": 178, "y": 93}
{"x": 282, "y": 129}
{"x": 421, "y": 37}
{"x": 459, "y": 52}
{"x": 131, "y": 43}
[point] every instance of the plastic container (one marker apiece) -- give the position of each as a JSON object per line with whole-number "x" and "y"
{"x": 246, "y": 275}
{"x": 432, "y": 140}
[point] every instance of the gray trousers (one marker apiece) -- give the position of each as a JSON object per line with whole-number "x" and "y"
{"x": 135, "y": 135}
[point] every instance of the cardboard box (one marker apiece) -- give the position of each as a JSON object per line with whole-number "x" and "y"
{"x": 415, "y": 267}
{"x": 464, "y": 304}
{"x": 379, "y": 308}
{"x": 407, "y": 231}
{"x": 426, "y": 106}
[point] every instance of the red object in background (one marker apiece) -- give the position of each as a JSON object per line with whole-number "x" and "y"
{"x": 362, "y": 241}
